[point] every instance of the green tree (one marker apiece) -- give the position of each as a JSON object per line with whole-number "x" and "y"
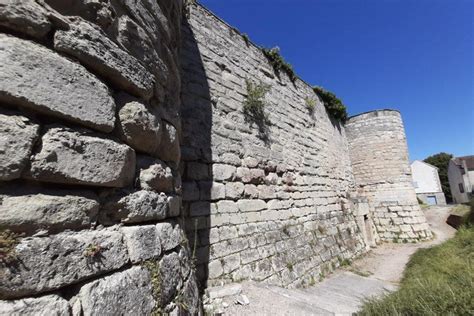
{"x": 441, "y": 161}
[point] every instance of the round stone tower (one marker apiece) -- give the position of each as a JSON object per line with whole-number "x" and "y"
{"x": 379, "y": 156}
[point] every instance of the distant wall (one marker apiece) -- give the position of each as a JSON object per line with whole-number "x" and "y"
{"x": 264, "y": 202}
{"x": 381, "y": 169}
{"x": 90, "y": 193}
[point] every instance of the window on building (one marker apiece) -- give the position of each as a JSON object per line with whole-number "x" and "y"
{"x": 415, "y": 184}
{"x": 461, "y": 188}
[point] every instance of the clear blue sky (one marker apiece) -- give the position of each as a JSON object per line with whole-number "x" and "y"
{"x": 416, "y": 56}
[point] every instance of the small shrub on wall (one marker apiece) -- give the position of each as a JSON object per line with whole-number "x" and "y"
{"x": 254, "y": 106}
{"x": 279, "y": 63}
{"x": 333, "y": 105}
{"x": 310, "y": 104}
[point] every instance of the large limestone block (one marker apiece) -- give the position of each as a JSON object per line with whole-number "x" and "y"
{"x": 73, "y": 157}
{"x": 17, "y": 137}
{"x": 136, "y": 207}
{"x": 155, "y": 175}
{"x": 91, "y": 46}
{"x": 41, "y": 80}
{"x": 24, "y": 16}
{"x": 143, "y": 242}
{"x": 123, "y": 293}
{"x": 169, "y": 148}
{"x": 137, "y": 42}
{"x": 49, "y": 305}
{"x": 171, "y": 279}
{"x": 53, "y": 212}
{"x": 139, "y": 126}
{"x": 170, "y": 234}
{"x": 49, "y": 263}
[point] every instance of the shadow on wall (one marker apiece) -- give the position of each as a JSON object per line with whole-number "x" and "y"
{"x": 196, "y": 158}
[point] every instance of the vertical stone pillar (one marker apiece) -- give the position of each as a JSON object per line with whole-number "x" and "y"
{"x": 379, "y": 156}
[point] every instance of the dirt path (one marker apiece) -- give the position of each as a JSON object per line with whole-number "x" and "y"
{"x": 387, "y": 261}
{"x": 342, "y": 292}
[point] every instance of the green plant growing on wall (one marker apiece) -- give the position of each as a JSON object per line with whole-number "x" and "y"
{"x": 92, "y": 250}
{"x": 8, "y": 242}
{"x": 310, "y": 104}
{"x": 333, "y": 105}
{"x": 246, "y": 39}
{"x": 154, "y": 268}
{"x": 254, "y": 106}
{"x": 289, "y": 266}
{"x": 278, "y": 63}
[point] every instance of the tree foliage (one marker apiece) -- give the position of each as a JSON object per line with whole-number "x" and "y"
{"x": 441, "y": 161}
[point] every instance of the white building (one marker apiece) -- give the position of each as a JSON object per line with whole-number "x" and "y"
{"x": 461, "y": 178}
{"x": 427, "y": 184}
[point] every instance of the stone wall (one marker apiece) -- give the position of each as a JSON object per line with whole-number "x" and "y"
{"x": 263, "y": 201}
{"x": 382, "y": 172}
{"x": 127, "y": 160}
{"x": 90, "y": 190}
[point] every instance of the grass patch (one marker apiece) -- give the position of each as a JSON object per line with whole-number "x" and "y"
{"x": 460, "y": 210}
{"x": 437, "y": 281}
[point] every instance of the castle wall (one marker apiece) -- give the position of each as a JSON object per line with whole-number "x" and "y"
{"x": 127, "y": 160}
{"x": 90, "y": 192}
{"x": 263, "y": 201}
{"x": 382, "y": 173}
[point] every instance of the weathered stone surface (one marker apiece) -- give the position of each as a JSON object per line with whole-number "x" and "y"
{"x": 190, "y": 191}
{"x": 197, "y": 171}
{"x": 227, "y": 207}
{"x": 123, "y": 293}
{"x": 140, "y": 127}
{"x": 170, "y": 235}
{"x": 41, "y": 80}
{"x": 73, "y": 157}
{"x": 211, "y": 190}
{"x": 52, "y": 211}
{"x": 174, "y": 206}
{"x": 155, "y": 175}
{"x": 17, "y": 137}
{"x": 191, "y": 296}
{"x": 24, "y": 16}
{"x": 136, "y": 207}
{"x": 143, "y": 242}
{"x": 215, "y": 269}
{"x": 170, "y": 277}
{"x": 251, "y": 205}
{"x": 169, "y": 147}
{"x": 234, "y": 190}
{"x": 222, "y": 172}
{"x": 49, "y": 305}
{"x": 137, "y": 42}
{"x": 45, "y": 264}
{"x": 93, "y": 48}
